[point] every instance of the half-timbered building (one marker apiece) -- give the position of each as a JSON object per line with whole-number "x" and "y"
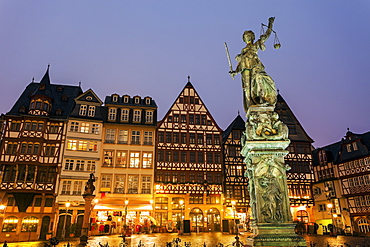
{"x": 342, "y": 186}
{"x": 31, "y": 151}
{"x": 235, "y": 183}
{"x": 300, "y": 176}
{"x": 188, "y": 172}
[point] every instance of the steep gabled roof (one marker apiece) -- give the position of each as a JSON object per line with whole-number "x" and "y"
{"x": 62, "y": 98}
{"x": 237, "y": 124}
{"x": 190, "y": 86}
{"x": 287, "y": 116}
{"x": 344, "y": 150}
{"x": 44, "y": 87}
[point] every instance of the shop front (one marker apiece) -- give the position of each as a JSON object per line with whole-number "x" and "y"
{"x": 126, "y": 222}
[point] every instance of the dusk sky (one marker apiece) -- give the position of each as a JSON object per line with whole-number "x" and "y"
{"x": 148, "y": 48}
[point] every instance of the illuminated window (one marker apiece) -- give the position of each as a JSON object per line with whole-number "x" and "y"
{"x": 146, "y": 184}
{"x": 121, "y": 159}
{"x": 82, "y": 145}
{"x": 72, "y": 145}
{"x": 85, "y": 127}
{"x": 161, "y": 203}
{"x": 147, "y": 160}
{"x": 108, "y": 159}
{"x": 137, "y": 100}
{"x": 10, "y": 224}
{"x": 119, "y": 184}
{"x": 134, "y": 159}
{"x": 133, "y": 184}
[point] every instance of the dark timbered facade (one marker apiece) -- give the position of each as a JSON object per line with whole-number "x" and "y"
{"x": 342, "y": 172}
{"x": 31, "y": 149}
{"x": 235, "y": 185}
{"x": 300, "y": 177}
{"x": 188, "y": 172}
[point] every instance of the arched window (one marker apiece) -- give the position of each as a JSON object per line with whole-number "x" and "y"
{"x": 10, "y": 224}
{"x": 29, "y": 224}
{"x": 363, "y": 225}
{"x": 302, "y": 216}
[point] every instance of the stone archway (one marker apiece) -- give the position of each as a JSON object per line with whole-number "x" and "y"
{"x": 196, "y": 218}
{"x": 363, "y": 225}
{"x": 213, "y": 220}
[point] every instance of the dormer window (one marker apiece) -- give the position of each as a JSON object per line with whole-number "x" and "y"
{"x": 148, "y": 101}
{"x": 124, "y": 115}
{"x": 137, "y": 116}
{"x": 59, "y": 111}
{"x": 64, "y": 98}
{"x": 126, "y": 99}
{"x": 83, "y": 109}
{"x": 91, "y": 112}
{"x": 137, "y": 100}
{"x": 354, "y": 145}
{"x": 89, "y": 98}
{"x": 114, "y": 97}
{"x": 60, "y": 89}
{"x": 22, "y": 109}
{"x": 149, "y": 117}
{"x": 42, "y": 86}
{"x": 322, "y": 157}
{"x": 112, "y": 114}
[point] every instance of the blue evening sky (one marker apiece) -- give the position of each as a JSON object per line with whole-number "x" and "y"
{"x": 148, "y": 48}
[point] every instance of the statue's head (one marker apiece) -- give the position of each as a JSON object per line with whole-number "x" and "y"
{"x": 248, "y": 36}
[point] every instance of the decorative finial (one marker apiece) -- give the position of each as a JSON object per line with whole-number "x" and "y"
{"x": 188, "y": 78}
{"x": 278, "y": 91}
{"x": 48, "y": 65}
{"x": 33, "y": 79}
{"x": 79, "y": 84}
{"x": 238, "y": 113}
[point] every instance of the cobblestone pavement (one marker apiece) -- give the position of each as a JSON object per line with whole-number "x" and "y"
{"x": 197, "y": 240}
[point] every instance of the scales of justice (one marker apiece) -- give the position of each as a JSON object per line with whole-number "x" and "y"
{"x": 264, "y": 147}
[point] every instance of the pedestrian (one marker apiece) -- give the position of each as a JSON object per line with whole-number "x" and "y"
{"x": 5, "y": 244}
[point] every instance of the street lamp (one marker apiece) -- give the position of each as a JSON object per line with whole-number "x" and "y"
{"x": 65, "y": 221}
{"x": 233, "y": 202}
{"x": 330, "y": 207}
{"x": 125, "y": 221}
{"x": 181, "y": 220}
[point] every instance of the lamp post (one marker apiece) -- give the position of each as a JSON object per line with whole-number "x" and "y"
{"x": 333, "y": 216}
{"x": 126, "y": 203}
{"x": 65, "y": 221}
{"x": 233, "y": 203}
{"x": 181, "y": 220}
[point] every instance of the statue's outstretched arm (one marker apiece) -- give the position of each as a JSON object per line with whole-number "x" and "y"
{"x": 267, "y": 34}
